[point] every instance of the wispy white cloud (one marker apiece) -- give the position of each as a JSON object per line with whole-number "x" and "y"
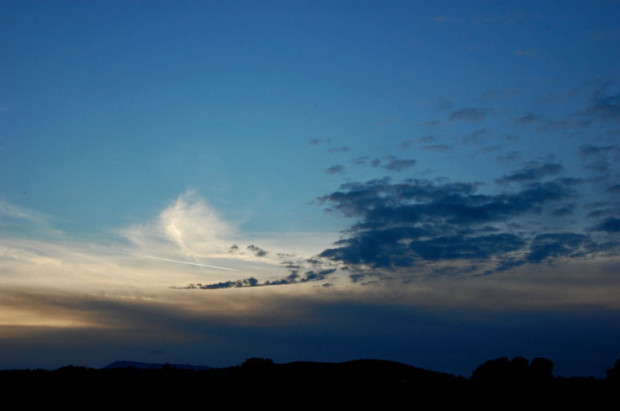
{"x": 190, "y": 226}
{"x": 68, "y": 283}
{"x": 21, "y": 219}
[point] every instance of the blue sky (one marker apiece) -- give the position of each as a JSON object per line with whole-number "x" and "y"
{"x": 396, "y": 176}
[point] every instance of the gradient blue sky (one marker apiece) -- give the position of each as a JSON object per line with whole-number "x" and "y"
{"x": 432, "y": 182}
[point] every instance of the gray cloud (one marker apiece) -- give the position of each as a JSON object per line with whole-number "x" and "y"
{"x": 338, "y": 150}
{"x": 509, "y": 157}
{"x": 379, "y": 200}
{"x": 293, "y": 278}
{"x": 614, "y": 189}
{"x": 474, "y": 114}
{"x": 532, "y": 171}
{"x": 390, "y": 163}
{"x": 395, "y": 164}
{"x": 529, "y": 118}
{"x": 437, "y": 147}
{"x": 335, "y": 169}
{"x": 247, "y": 282}
{"x": 599, "y": 158}
{"x": 551, "y": 125}
{"x": 545, "y": 246}
{"x": 604, "y": 105}
{"x": 418, "y": 221}
{"x": 589, "y": 150}
{"x": 259, "y": 252}
{"x": 609, "y": 225}
{"x": 475, "y": 137}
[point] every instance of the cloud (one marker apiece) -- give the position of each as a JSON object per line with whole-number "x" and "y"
{"x": 25, "y": 221}
{"x": 416, "y": 222}
{"x": 293, "y": 278}
{"x": 590, "y": 150}
{"x": 335, "y": 169}
{"x": 609, "y": 225}
{"x": 437, "y": 147}
{"x": 566, "y": 124}
{"x": 246, "y": 282}
{"x": 564, "y": 210}
{"x": 529, "y": 118}
{"x": 614, "y": 189}
{"x": 191, "y": 229}
{"x": 63, "y": 298}
{"x": 259, "y": 252}
{"x": 423, "y": 140}
{"x": 599, "y": 158}
{"x": 190, "y": 225}
{"x": 471, "y": 114}
{"x": 551, "y": 125}
{"x": 532, "y": 171}
{"x": 187, "y": 242}
{"x": 338, "y": 150}
{"x": 420, "y": 200}
{"x": 545, "y": 246}
{"x": 390, "y": 163}
{"x": 475, "y": 137}
{"x": 604, "y": 105}
{"x": 509, "y": 157}
{"x": 395, "y": 164}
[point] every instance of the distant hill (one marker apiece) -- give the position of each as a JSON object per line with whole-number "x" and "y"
{"x": 154, "y": 366}
{"x": 261, "y": 381}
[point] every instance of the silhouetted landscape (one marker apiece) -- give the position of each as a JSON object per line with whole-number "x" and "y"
{"x": 498, "y": 381}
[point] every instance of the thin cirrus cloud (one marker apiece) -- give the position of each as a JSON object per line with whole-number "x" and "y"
{"x": 187, "y": 233}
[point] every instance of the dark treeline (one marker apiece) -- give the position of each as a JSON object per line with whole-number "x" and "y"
{"x": 496, "y": 382}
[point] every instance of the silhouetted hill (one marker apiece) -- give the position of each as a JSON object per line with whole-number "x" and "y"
{"x": 261, "y": 381}
{"x": 154, "y": 366}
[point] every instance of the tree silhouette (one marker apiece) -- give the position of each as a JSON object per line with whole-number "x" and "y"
{"x": 613, "y": 374}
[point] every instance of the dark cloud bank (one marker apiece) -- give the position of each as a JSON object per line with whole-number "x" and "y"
{"x": 419, "y": 227}
{"x": 415, "y": 222}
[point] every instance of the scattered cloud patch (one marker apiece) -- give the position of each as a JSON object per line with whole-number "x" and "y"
{"x": 509, "y": 157}
{"x": 259, "y": 252}
{"x": 338, "y": 150}
{"x": 313, "y": 275}
{"x": 475, "y": 137}
{"x": 418, "y": 222}
{"x": 614, "y": 189}
{"x": 528, "y": 119}
{"x": 395, "y": 164}
{"x": 599, "y": 159}
{"x": 390, "y": 163}
{"x": 604, "y": 105}
{"x": 550, "y": 125}
{"x": 437, "y": 147}
{"x": 335, "y": 169}
{"x": 532, "y": 171}
{"x": 609, "y": 225}
{"x": 471, "y": 114}
{"x": 554, "y": 245}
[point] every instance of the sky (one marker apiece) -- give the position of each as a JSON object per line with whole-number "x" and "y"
{"x": 430, "y": 182}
